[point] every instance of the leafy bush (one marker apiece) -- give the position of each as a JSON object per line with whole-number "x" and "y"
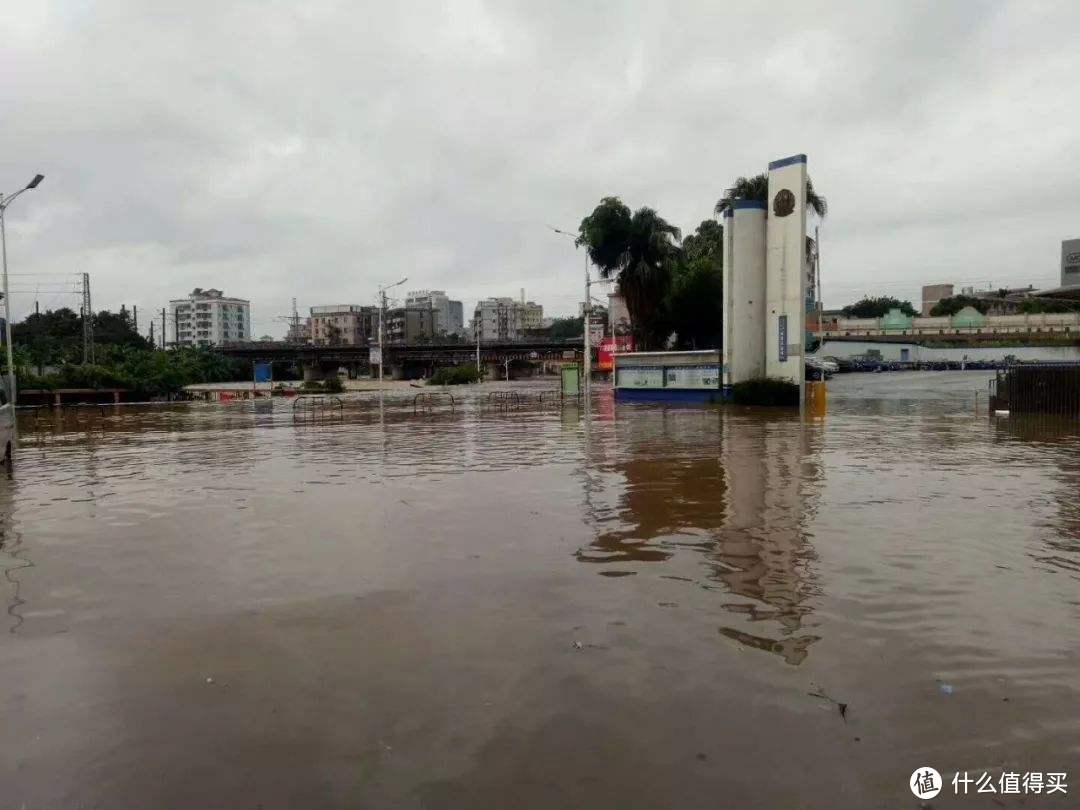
{"x": 147, "y": 372}
{"x": 766, "y": 391}
{"x": 333, "y": 385}
{"x": 457, "y": 375}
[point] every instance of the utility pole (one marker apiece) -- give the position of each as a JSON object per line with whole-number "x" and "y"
{"x": 164, "y": 338}
{"x": 588, "y": 324}
{"x": 88, "y": 321}
{"x": 382, "y": 315}
{"x": 153, "y": 339}
{"x": 478, "y": 325}
{"x": 176, "y": 328}
{"x": 37, "y": 327}
{"x": 295, "y": 321}
{"x": 135, "y": 317}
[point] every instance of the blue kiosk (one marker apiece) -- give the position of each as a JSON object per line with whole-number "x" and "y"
{"x": 668, "y": 376}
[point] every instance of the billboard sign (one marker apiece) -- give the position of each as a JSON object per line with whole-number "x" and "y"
{"x": 375, "y": 355}
{"x": 1070, "y": 262}
{"x": 605, "y": 355}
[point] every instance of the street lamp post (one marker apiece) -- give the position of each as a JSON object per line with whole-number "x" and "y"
{"x": 382, "y": 311}
{"x": 587, "y": 311}
{"x": 4, "y": 203}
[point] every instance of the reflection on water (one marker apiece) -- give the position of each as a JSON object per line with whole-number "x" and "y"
{"x": 454, "y": 606}
{"x": 737, "y": 490}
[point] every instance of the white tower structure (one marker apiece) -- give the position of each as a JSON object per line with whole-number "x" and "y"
{"x": 748, "y": 291}
{"x": 785, "y": 271}
{"x": 765, "y": 280}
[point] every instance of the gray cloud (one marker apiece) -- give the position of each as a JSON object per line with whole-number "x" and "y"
{"x": 317, "y": 149}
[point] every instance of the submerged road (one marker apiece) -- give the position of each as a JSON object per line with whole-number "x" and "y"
{"x": 210, "y": 606}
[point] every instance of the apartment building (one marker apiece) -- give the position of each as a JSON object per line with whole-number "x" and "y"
{"x": 449, "y": 315}
{"x": 208, "y": 318}
{"x": 505, "y": 319}
{"x": 344, "y": 325}
{"x": 406, "y": 325}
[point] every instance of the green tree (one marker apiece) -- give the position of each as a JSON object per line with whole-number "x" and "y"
{"x": 955, "y": 303}
{"x": 757, "y": 188}
{"x": 567, "y": 328}
{"x": 640, "y": 249}
{"x": 1035, "y": 306}
{"x": 695, "y": 300}
{"x": 869, "y": 307}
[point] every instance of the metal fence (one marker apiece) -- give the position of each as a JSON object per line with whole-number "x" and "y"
{"x": 1042, "y": 388}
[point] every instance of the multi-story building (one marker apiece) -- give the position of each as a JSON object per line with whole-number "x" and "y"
{"x": 407, "y": 325}
{"x": 448, "y": 315}
{"x": 299, "y": 332}
{"x": 344, "y": 325}
{"x": 505, "y": 319}
{"x": 208, "y": 318}
{"x": 932, "y": 293}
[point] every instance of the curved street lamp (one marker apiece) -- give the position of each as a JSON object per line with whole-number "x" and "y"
{"x": 5, "y": 201}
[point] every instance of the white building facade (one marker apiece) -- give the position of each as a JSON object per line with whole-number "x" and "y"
{"x": 448, "y": 315}
{"x": 505, "y": 319}
{"x": 209, "y": 318}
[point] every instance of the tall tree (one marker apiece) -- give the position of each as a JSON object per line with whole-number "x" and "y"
{"x": 757, "y": 188}
{"x": 640, "y": 250}
{"x": 695, "y": 300}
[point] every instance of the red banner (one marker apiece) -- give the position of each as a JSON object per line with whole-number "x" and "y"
{"x": 605, "y": 355}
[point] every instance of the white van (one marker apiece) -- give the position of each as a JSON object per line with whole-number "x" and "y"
{"x": 7, "y": 426}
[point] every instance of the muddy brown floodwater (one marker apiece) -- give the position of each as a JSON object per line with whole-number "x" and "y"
{"x": 212, "y": 607}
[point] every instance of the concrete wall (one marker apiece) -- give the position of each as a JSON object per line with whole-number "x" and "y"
{"x": 921, "y": 354}
{"x": 1004, "y": 324}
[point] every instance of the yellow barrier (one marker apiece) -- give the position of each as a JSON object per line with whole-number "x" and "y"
{"x": 816, "y": 398}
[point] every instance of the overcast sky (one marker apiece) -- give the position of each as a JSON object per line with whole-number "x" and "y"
{"x": 318, "y": 149}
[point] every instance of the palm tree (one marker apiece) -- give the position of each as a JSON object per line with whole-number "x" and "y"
{"x": 640, "y": 250}
{"x": 757, "y": 188}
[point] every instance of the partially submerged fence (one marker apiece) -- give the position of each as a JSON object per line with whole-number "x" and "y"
{"x": 1037, "y": 388}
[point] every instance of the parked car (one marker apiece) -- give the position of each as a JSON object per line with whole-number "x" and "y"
{"x": 818, "y": 368}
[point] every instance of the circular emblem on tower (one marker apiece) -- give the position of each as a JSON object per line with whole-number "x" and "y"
{"x": 783, "y": 203}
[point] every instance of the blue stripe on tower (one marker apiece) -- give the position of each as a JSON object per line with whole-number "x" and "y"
{"x": 788, "y": 161}
{"x": 749, "y": 204}
{"x": 728, "y": 213}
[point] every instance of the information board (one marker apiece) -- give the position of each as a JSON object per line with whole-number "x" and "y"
{"x": 692, "y": 377}
{"x": 640, "y": 377}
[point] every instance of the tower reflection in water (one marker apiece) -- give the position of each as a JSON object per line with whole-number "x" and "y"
{"x": 714, "y": 497}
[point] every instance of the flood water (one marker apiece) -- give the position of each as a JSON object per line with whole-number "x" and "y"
{"x": 211, "y": 607}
